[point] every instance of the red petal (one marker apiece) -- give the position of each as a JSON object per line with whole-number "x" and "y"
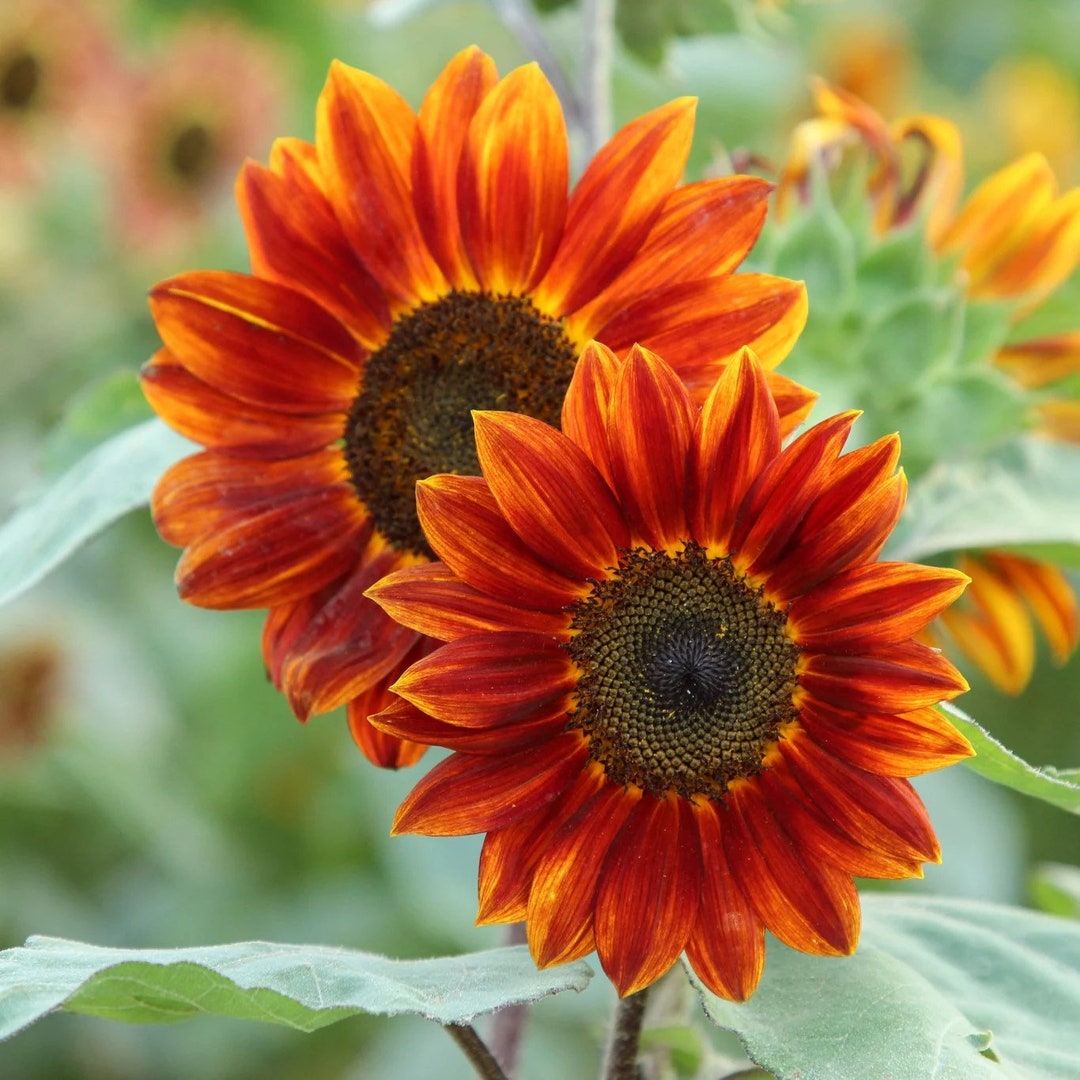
{"x": 810, "y": 906}
{"x": 445, "y": 115}
{"x": 649, "y": 893}
{"x": 465, "y": 527}
{"x": 731, "y": 208}
{"x": 365, "y": 133}
{"x": 883, "y": 813}
{"x": 332, "y": 646}
{"x": 550, "y": 493}
{"x": 467, "y": 794}
{"x": 258, "y": 341}
{"x": 207, "y": 416}
{"x": 616, "y": 202}
{"x": 296, "y": 240}
{"x": 649, "y": 434}
{"x": 275, "y": 554}
{"x": 380, "y": 748}
{"x": 587, "y": 403}
{"x": 489, "y": 679}
{"x": 896, "y": 678}
{"x": 737, "y": 435}
{"x": 510, "y": 855}
{"x": 787, "y": 487}
{"x": 432, "y": 600}
{"x": 890, "y": 744}
{"x": 727, "y": 946}
{"x": 561, "y": 901}
{"x": 513, "y": 181}
{"x": 209, "y": 491}
{"x": 871, "y": 605}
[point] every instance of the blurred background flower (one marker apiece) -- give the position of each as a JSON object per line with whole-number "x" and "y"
{"x": 155, "y": 787}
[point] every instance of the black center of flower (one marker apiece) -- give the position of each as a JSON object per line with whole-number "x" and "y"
{"x": 687, "y": 673}
{"x": 411, "y": 417}
{"x": 191, "y": 154}
{"x": 20, "y": 80}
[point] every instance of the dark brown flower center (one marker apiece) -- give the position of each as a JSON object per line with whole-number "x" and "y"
{"x": 20, "y": 80}
{"x": 412, "y": 419}
{"x": 687, "y": 673}
{"x": 191, "y": 154}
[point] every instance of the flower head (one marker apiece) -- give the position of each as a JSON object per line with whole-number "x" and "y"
{"x": 407, "y": 269}
{"x": 682, "y": 694}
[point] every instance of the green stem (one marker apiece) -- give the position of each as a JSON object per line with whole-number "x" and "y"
{"x": 598, "y": 33}
{"x": 474, "y": 1048}
{"x": 620, "y": 1061}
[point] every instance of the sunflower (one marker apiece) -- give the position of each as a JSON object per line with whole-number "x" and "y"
{"x": 408, "y": 268}
{"x": 682, "y": 694}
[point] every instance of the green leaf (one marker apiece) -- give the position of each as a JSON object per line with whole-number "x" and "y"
{"x": 1023, "y": 497}
{"x": 299, "y": 986}
{"x": 1055, "y": 888}
{"x": 1000, "y": 764}
{"x": 111, "y": 480}
{"x": 950, "y": 989}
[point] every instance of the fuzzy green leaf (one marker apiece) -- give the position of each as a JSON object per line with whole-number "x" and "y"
{"x": 113, "y": 479}
{"x": 299, "y": 986}
{"x": 956, "y": 990}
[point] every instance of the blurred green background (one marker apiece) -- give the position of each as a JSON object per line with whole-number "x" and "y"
{"x": 155, "y": 789}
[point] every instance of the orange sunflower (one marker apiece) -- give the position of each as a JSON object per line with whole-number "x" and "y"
{"x": 682, "y": 693}
{"x": 408, "y": 268}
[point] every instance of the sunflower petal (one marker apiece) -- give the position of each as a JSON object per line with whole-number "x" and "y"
{"x": 643, "y": 162}
{"x": 649, "y": 428}
{"x": 649, "y": 893}
{"x": 379, "y": 747}
{"x": 588, "y": 402}
{"x": 364, "y": 133}
{"x": 469, "y": 794}
{"x": 1048, "y": 592}
{"x": 550, "y": 493}
{"x": 258, "y": 341}
{"x": 511, "y": 211}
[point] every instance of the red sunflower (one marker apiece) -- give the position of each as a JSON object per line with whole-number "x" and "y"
{"x": 409, "y": 267}
{"x": 682, "y": 693}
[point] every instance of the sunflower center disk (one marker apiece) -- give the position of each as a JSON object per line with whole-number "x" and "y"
{"x": 686, "y": 673}
{"x": 191, "y": 155}
{"x": 411, "y": 418}
{"x": 20, "y": 78}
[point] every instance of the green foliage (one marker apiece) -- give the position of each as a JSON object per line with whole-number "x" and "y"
{"x": 1055, "y": 888}
{"x": 113, "y": 479}
{"x": 300, "y": 986}
{"x": 946, "y": 988}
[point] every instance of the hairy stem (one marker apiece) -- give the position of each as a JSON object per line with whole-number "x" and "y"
{"x": 508, "y": 1024}
{"x": 620, "y": 1061}
{"x": 598, "y": 32}
{"x": 476, "y": 1051}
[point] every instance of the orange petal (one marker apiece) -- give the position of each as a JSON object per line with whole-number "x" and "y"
{"x": 756, "y": 311}
{"x": 550, "y": 493}
{"x": 513, "y": 181}
{"x": 1048, "y": 593}
{"x": 1060, "y": 420}
{"x": 382, "y": 749}
{"x": 737, "y": 434}
{"x": 295, "y": 239}
{"x": 1042, "y": 361}
{"x": 727, "y": 946}
{"x": 615, "y": 204}
{"x": 649, "y": 893}
{"x": 731, "y": 208}
{"x": 896, "y": 678}
{"x": 258, "y": 341}
{"x": 892, "y": 744}
{"x": 510, "y": 855}
{"x": 365, "y": 133}
{"x": 651, "y": 419}
{"x": 445, "y": 115}
{"x": 332, "y": 646}
{"x": 588, "y": 402}
{"x": 562, "y": 898}
{"x": 939, "y": 182}
{"x": 871, "y": 605}
{"x": 781, "y": 495}
{"x": 489, "y": 679}
{"x": 199, "y": 412}
{"x": 432, "y": 600}
{"x": 794, "y": 403}
{"x": 468, "y": 794}
{"x": 810, "y": 906}
{"x": 467, "y": 530}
